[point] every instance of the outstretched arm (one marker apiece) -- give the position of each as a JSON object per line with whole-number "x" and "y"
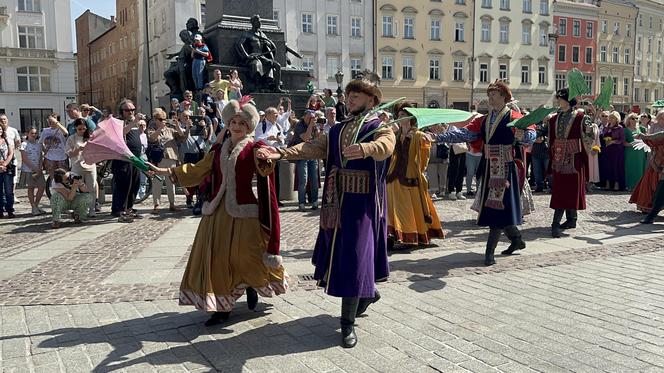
{"x": 456, "y": 135}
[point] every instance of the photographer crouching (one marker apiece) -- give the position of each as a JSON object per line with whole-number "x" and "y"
{"x": 68, "y": 192}
{"x": 192, "y": 149}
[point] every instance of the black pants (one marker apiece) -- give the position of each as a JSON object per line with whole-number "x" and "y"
{"x": 276, "y": 180}
{"x": 456, "y": 172}
{"x": 126, "y": 182}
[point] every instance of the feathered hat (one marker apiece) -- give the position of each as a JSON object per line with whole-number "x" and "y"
{"x": 366, "y": 82}
{"x": 502, "y": 88}
{"x": 242, "y": 108}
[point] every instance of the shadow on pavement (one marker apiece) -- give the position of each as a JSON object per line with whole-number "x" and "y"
{"x": 426, "y": 273}
{"x": 180, "y": 330}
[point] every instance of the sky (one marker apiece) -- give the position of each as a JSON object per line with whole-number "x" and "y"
{"x": 105, "y": 8}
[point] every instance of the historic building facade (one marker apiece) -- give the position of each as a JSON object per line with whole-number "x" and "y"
{"x": 576, "y": 34}
{"x": 648, "y": 68}
{"x": 512, "y": 43}
{"x": 616, "y": 45}
{"x": 331, "y": 36}
{"x": 37, "y": 65}
{"x": 423, "y": 52}
{"x": 109, "y": 73}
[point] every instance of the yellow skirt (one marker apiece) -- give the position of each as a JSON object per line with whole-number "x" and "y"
{"x": 406, "y": 221}
{"x": 226, "y": 258}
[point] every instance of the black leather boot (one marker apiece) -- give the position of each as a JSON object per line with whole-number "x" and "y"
{"x": 217, "y": 318}
{"x": 491, "y": 243}
{"x": 348, "y": 312}
{"x": 252, "y": 298}
{"x": 366, "y": 302}
{"x": 570, "y": 220}
{"x": 514, "y": 235}
{"x": 556, "y": 231}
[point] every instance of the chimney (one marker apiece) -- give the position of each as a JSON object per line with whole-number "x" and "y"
{"x": 112, "y": 19}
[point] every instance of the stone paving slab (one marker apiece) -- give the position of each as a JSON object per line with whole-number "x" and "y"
{"x": 515, "y": 321}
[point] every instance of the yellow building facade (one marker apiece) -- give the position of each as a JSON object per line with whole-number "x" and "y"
{"x": 423, "y": 51}
{"x": 649, "y": 63}
{"x": 616, "y": 44}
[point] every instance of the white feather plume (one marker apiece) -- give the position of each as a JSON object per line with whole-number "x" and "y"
{"x": 640, "y": 145}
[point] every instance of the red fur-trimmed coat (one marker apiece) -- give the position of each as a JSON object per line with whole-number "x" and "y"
{"x": 229, "y": 172}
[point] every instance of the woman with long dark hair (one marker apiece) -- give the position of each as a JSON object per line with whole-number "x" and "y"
{"x": 87, "y": 172}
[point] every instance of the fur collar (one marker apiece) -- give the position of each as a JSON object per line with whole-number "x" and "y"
{"x": 228, "y": 158}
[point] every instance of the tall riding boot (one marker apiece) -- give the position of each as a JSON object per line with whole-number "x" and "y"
{"x": 570, "y": 219}
{"x": 366, "y": 302}
{"x": 491, "y": 243}
{"x": 348, "y": 312}
{"x": 252, "y": 298}
{"x": 657, "y": 204}
{"x": 512, "y": 232}
{"x": 556, "y": 232}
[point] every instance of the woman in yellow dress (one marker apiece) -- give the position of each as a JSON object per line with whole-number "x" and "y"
{"x": 236, "y": 248}
{"x": 411, "y": 217}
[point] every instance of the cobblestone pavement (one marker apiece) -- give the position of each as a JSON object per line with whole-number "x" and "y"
{"x": 85, "y": 298}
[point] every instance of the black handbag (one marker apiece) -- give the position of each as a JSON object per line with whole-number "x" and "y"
{"x": 155, "y": 153}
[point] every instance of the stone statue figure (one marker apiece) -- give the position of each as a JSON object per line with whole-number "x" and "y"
{"x": 178, "y": 76}
{"x": 258, "y": 53}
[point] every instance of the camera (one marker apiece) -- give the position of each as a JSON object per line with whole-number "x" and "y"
{"x": 321, "y": 120}
{"x": 73, "y": 177}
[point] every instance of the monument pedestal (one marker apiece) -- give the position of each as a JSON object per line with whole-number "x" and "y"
{"x": 286, "y": 179}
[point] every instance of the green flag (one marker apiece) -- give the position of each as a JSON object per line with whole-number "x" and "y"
{"x": 604, "y": 98}
{"x": 576, "y": 84}
{"x": 427, "y": 117}
{"x": 534, "y": 117}
{"x": 658, "y": 103}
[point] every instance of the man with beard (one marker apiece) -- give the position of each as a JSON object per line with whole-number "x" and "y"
{"x": 351, "y": 250}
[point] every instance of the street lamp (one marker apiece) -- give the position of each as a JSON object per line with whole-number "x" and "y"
{"x": 339, "y": 77}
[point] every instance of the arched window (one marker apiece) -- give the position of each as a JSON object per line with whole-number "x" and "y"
{"x": 33, "y": 79}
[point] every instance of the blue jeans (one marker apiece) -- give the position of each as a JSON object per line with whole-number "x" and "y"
{"x": 197, "y": 69}
{"x": 472, "y": 163}
{"x": 307, "y": 170}
{"x": 539, "y": 170}
{"x": 6, "y": 192}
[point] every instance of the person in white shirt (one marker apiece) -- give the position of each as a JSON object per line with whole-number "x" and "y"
{"x": 271, "y": 133}
{"x": 53, "y": 140}
{"x": 14, "y": 139}
{"x": 220, "y": 101}
{"x": 284, "y": 115}
{"x": 330, "y": 119}
{"x": 32, "y": 170}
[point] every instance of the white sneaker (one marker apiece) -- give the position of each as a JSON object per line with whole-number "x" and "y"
{"x": 434, "y": 197}
{"x": 460, "y": 196}
{"x": 453, "y": 197}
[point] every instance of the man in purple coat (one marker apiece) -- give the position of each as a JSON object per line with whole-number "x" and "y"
{"x": 351, "y": 250}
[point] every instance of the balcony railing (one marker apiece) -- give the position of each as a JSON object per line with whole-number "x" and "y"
{"x": 27, "y": 53}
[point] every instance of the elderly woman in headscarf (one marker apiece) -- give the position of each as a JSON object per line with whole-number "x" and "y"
{"x": 236, "y": 248}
